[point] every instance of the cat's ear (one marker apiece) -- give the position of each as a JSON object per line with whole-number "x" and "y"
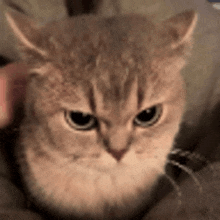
{"x": 26, "y": 30}
{"x": 182, "y": 27}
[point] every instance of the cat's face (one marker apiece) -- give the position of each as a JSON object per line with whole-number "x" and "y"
{"x": 104, "y": 102}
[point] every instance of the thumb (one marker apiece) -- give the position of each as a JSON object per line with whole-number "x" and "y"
{"x": 12, "y": 89}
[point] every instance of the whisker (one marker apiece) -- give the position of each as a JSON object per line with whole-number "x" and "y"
{"x": 188, "y": 171}
{"x": 191, "y": 156}
{"x": 55, "y": 43}
{"x": 176, "y": 187}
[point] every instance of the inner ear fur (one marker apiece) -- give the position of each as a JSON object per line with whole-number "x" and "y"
{"x": 26, "y": 30}
{"x": 182, "y": 27}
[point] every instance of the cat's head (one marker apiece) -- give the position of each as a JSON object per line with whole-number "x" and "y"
{"x": 104, "y": 102}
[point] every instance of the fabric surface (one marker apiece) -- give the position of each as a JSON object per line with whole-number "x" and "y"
{"x": 198, "y": 202}
{"x": 12, "y": 203}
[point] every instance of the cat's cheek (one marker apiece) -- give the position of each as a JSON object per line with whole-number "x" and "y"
{"x": 70, "y": 141}
{"x": 156, "y": 143}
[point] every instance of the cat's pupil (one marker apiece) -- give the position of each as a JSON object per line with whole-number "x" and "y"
{"x": 148, "y": 116}
{"x": 80, "y": 120}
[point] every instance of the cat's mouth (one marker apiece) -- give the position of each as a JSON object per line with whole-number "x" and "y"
{"x": 106, "y": 162}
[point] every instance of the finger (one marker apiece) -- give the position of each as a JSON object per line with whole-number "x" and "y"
{"x": 12, "y": 85}
{"x": 16, "y": 70}
{"x": 4, "y": 105}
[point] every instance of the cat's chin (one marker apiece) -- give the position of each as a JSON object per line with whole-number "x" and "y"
{"x": 117, "y": 190}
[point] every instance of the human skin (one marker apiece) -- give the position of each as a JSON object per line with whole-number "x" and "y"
{"x": 12, "y": 89}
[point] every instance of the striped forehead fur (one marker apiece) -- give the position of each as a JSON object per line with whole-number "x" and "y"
{"x": 114, "y": 51}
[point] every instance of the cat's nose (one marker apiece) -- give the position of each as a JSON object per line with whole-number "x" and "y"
{"x": 117, "y": 141}
{"x": 117, "y": 154}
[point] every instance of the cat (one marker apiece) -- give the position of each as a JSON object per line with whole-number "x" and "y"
{"x": 104, "y": 102}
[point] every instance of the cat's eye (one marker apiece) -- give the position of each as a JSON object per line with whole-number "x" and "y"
{"x": 148, "y": 116}
{"x": 80, "y": 121}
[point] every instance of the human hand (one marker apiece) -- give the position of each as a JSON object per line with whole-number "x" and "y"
{"x": 12, "y": 90}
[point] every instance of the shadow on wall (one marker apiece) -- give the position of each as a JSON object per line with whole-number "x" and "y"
{"x": 3, "y": 61}
{"x": 81, "y": 7}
